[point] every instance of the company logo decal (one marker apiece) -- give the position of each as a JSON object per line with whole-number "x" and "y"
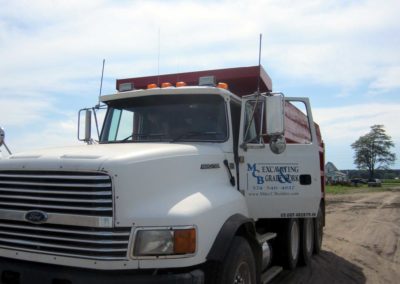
{"x": 36, "y": 217}
{"x": 281, "y": 174}
{"x": 273, "y": 179}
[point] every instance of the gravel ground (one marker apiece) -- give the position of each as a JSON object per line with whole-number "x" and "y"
{"x": 361, "y": 242}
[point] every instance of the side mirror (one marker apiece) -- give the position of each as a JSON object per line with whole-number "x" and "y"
{"x": 88, "y": 125}
{"x": 275, "y": 115}
{"x": 275, "y": 123}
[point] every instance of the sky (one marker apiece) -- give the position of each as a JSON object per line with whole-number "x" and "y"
{"x": 343, "y": 55}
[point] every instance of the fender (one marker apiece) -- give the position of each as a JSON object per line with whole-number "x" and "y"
{"x": 225, "y": 236}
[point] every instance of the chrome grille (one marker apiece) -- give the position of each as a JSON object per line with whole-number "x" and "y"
{"x": 81, "y": 193}
{"x": 73, "y": 241}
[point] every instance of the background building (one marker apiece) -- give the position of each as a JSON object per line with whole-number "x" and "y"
{"x": 333, "y": 175}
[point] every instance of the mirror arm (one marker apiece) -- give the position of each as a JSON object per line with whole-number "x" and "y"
{"x": 8, "y": 150}
{"x": 2, "y": 142}
{"x": 95, "y": 120}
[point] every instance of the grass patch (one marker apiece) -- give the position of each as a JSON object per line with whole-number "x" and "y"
{"x": 343, "y": 189}
{"x": 392, "y": 181}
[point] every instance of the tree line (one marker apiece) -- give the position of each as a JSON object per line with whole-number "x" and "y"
{"x": 380, "y": 174}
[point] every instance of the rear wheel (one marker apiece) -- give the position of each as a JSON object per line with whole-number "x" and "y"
{"x": 318, "y": 231}
{"x": 307, "y": 240}
{"x": 239, "y": 265}
{"x": 292, "y": 244}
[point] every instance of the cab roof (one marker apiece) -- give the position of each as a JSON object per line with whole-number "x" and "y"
{"x": 192, "y": 90}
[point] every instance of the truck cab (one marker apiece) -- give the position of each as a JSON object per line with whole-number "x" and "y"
{"x": 189, "y": 182}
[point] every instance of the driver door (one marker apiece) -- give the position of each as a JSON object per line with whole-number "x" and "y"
{"x": 286, "y": 185}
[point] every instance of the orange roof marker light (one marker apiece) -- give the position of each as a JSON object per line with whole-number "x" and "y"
{"x": 166, "y": 85}
{"x": 222, "y": 85}
{"x": 152, "y": 86}
{"x": 180, "y": 84}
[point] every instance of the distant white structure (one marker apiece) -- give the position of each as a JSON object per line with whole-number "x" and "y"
{"x": 333, "y": 175}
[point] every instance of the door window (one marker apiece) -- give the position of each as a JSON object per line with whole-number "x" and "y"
{"x": 253, "y": 124}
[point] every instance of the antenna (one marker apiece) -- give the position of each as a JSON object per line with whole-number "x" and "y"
{"x": 158, "y": 58}
{"x": 257, "y": 94}
{"x": 96, "y": 107}
{"x": 101, "y": 82}
{"x": 259, "y": 65}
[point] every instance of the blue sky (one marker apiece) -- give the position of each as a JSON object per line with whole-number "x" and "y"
{"x": 344, "y": 56}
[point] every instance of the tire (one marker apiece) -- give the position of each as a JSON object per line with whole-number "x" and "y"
{"x": 239, "y": 265}
{"x": 292, "y": 244}
{"x": 318, "y": 232}
{"x": 307, "y": 241}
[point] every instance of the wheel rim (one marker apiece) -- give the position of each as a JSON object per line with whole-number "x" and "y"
{"x": 294, "y": 235}
{"x": 242, "y": 274}
{"x": 309, "y": 235}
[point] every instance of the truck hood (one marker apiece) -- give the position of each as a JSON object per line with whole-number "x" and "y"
{"x": 92, "y": 157}
{"x": 154, "y": 185}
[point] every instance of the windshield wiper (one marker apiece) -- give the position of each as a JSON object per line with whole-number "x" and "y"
{"x": 141, "y": 135}
{"x": 192, "y": 134}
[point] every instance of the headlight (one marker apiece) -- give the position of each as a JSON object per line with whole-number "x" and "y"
{"x": 159, "y": 242}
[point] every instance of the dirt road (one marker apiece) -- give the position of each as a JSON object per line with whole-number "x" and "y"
{"x": 361, "y": 242}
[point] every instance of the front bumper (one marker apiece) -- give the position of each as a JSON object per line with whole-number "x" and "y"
{"x": 21, "y": 272}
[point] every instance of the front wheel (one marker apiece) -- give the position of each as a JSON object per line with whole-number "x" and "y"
{"x": 239, "y": 265}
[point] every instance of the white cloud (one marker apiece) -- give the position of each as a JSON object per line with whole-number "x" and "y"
{"x": 334, "y": 43}
{"x": 48, "y": 134}
{"x": 22, "y": 110}
{"x": 51, "y": 52}
{"x": 49, "y": 42}
{"x": 387, "y": 79}
{"x": 349, "y": 122}
{"x": 341, "y": 126}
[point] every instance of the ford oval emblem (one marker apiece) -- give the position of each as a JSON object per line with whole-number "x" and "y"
{"x": 36, "y": 217}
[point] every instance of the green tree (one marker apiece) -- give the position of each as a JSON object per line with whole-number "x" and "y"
{"x": 372, "y": 150}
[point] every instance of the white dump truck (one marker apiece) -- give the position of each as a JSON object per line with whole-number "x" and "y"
{"x": 199, "y": 177}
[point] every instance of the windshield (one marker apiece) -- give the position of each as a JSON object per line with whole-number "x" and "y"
{"x": 169, "y": 118}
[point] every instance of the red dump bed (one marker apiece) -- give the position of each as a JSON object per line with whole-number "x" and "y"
{"x": 296, "y": 124}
